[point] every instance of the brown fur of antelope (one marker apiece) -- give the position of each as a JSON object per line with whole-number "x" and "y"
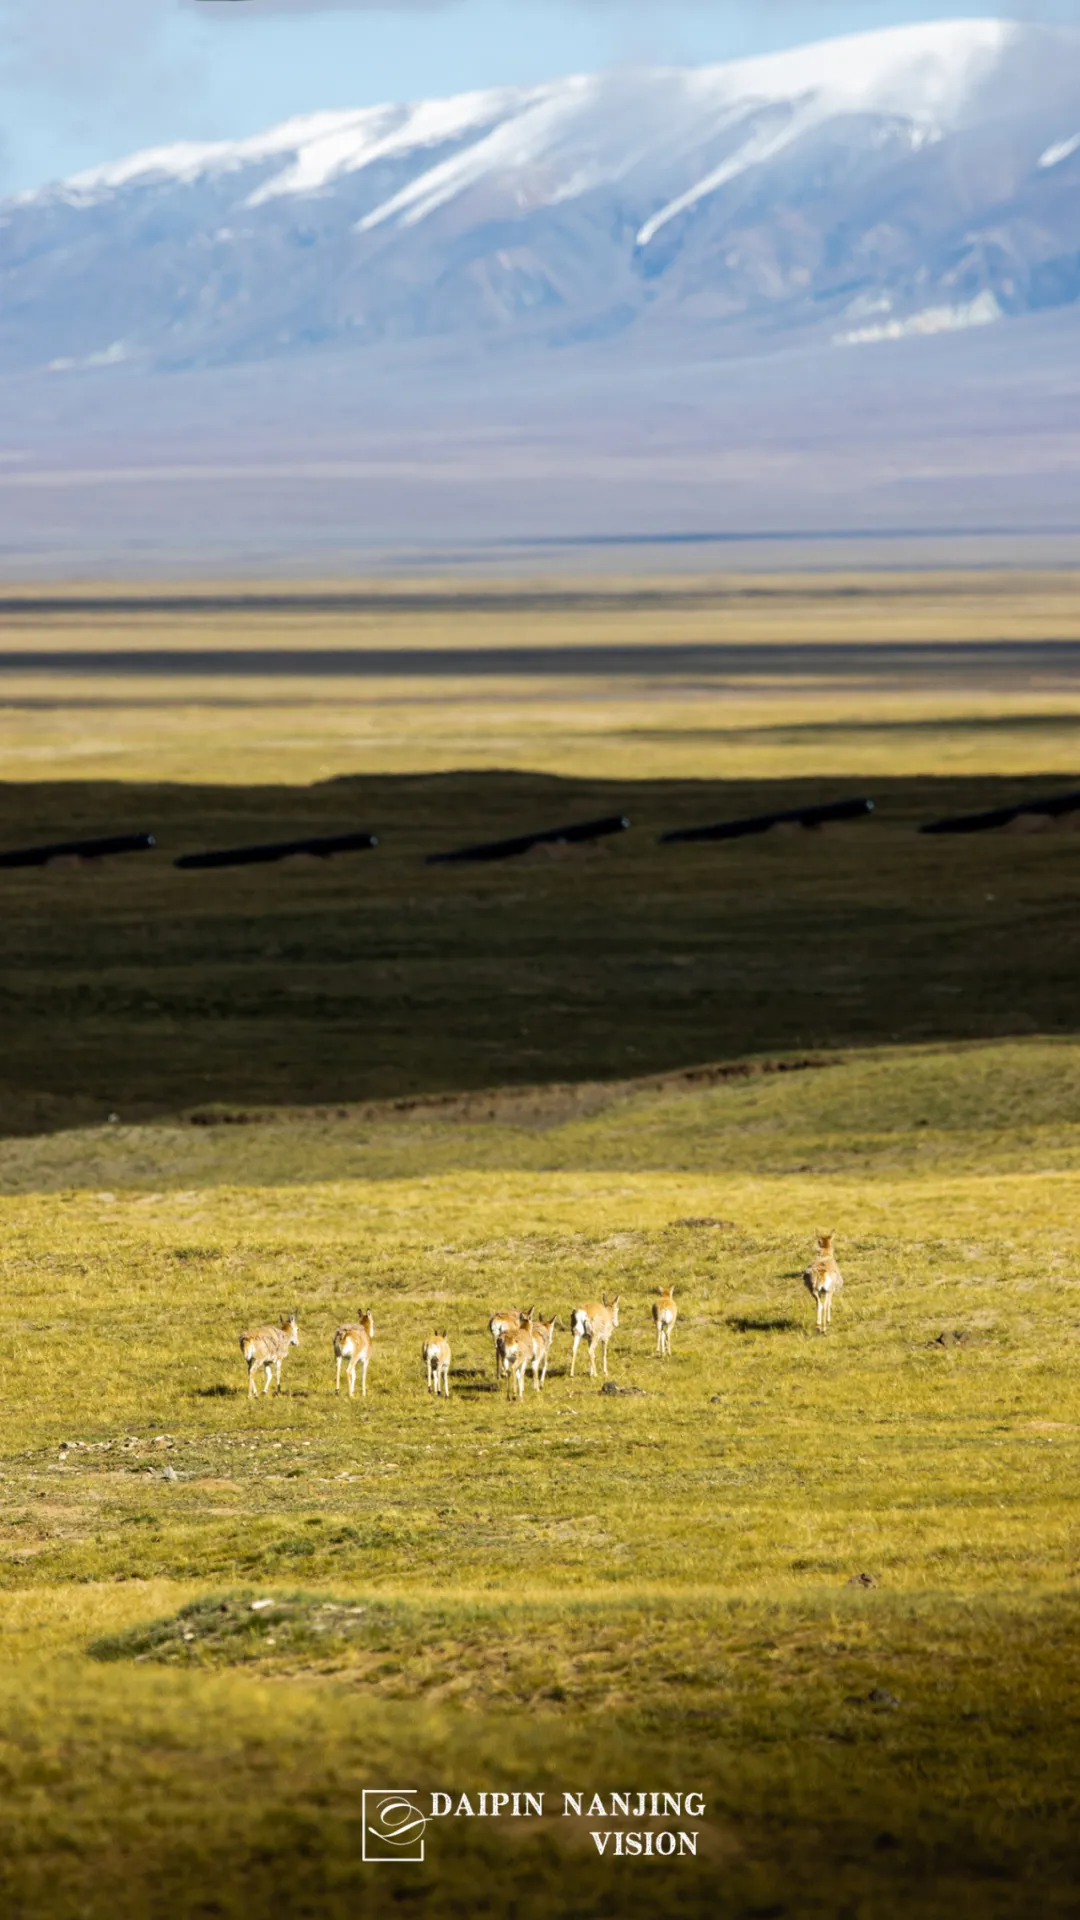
{"x": 436, "y": 1355}
{"x": 665, "y": 1313}
{"x": 823, "y": 1280}
{"x": 352, "y": 1349}
{"x": 503, "y": 1323}
{"x": 267, "y": 1347}
{"x": 595, "y": 1322}
{"x": 529, "y": 1347}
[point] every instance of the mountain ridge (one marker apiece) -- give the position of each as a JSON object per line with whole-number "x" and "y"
{"x": 902, "y": 181}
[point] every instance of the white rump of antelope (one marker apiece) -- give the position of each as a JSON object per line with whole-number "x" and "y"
{"x": 436, "y": 1355}
{"x": 823, "y": 1280}
{"x": 267, "y": 1347}
{"x": 595, "y": 1322}
{"x": 352, "y": 1349}
{"x": 508, "y": 1321}
{"x": 665, "y": 1313}
{"x": 524, "y": 1347}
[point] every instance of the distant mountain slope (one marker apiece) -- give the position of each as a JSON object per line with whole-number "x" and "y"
{"x": 911, "y": 180}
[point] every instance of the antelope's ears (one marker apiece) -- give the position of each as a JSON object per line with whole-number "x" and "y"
{"x": 616, "y": 1300}
{"x": 603, "y": 1297}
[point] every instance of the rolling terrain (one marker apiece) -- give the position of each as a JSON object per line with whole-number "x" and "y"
{"x": 829, "y": 1584}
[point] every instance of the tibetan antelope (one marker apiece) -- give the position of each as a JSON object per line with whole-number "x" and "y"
{"x": 595, "y": 1323}
{"x": 506, "y": 1322}
{"x": 352, "y": 1349}
{"x": 823, "y": 1279}
{"x": 267, "y": 1347}
{"x": 527, "y": 1346}
{"x": 665, "y": 1313}
{"x": 436, "y": 1355}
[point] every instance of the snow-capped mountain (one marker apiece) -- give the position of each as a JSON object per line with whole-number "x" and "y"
{"x": 905, "y": 181}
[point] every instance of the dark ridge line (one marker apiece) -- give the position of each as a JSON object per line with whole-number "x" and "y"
{"x": 763, "y": 536}
{"x": 322, "y": 847}
{"x": 576, "y": 835}
{"x": 78, "y": 850}
{"x": 809, "y": 817}
{"x": 769, "y": 659}
{"x": 1053, "y": 807}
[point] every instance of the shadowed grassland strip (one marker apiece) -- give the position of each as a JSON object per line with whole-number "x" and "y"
{"x": 894, "y": 1758}
{"x": 147, "y": 992}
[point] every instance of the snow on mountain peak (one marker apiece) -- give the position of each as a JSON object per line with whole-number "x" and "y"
{"x": 925, "y": 72}
{"x": 915, "y": 172}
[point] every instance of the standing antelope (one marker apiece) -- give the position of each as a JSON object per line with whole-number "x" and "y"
{"x": 823, "y": 1279}
{"x": 436, "y": 1356}
{"x": 504, "y": 1323}
{"x": 546, "y": 1330}
{"x": 595, "y": 1323}
{"x": 267, "y": 1347}
{"x": 352, "y": 1347}
{"x": 665, "y": 1313}
{"x": 527, "y": 1346}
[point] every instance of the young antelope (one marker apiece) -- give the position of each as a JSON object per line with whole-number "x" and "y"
{"x": 436, "y": 1355}
{"x": 352, "y": 1349}
{"x": 504, "y": 1323}
{"x": 665, "y": 1313}
{"x": 267, "y": 1347}
{"x": 823, "y": 1280}
{"x": 595, "y": 1323}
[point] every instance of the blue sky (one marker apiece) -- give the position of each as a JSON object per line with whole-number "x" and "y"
{"x": 87, "y": 80}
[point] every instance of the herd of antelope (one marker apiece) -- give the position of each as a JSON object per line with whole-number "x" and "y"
{"x": 522, "y": 1337}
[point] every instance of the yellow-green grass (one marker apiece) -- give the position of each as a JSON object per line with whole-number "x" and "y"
{"x": 683, "y": 723}
{"x": 584, "y": 1591}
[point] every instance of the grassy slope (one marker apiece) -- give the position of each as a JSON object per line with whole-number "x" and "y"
{"x": 582, "y": 1590}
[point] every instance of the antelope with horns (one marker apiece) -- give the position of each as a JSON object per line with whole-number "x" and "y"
{"x": 267, "y": 1347}
{"x": 665, "y": 1313}
{"x": 505, "y": 1323}
{"x": 352, "y": 1349}
{"x": 595, "y": 1322}
{"x": 823, "y": 1280}
{"x": 527, "y": 1346}
{"x": 436, "y": 1355}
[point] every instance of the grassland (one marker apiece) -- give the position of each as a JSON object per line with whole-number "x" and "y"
{"x": 864, "y": 715}
{"x": 831, "y": 1584}
{"x": 583, "y": 1590}
{"x": 139, "y": 990}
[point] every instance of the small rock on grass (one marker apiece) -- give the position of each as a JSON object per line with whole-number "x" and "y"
{"x": 609, "y": 1387}
{"x": 881, "y": 1697}
{"x": 862, "y": 1580}
{"x": 169, "y": 1473}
